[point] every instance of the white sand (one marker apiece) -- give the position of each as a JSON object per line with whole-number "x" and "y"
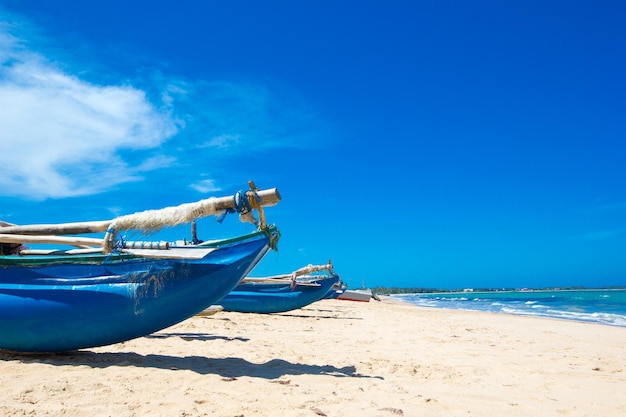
{"x": 334, "y": 358}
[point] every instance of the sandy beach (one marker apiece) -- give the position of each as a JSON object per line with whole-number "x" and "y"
{"x": 333, "y": 358}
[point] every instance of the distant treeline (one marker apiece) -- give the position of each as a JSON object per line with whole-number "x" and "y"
{"x": 422, "y": 290}
{"x": 409, "y": 290}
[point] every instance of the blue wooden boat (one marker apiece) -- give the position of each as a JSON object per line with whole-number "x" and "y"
{"x": 59, "y": 300}
{"x": 335, "y": 291}
{"x": 279, "y": 293}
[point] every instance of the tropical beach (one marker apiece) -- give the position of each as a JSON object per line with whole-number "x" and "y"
{"x": 333, "y": 358}
{"x": 468, "y": 157}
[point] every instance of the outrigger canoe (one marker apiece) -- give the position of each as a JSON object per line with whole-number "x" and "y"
{"x": 60, "y": 300}
{"x": 281, "y": 293}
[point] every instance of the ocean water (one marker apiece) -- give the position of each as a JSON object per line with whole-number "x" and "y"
{"x": 597, "y": 306}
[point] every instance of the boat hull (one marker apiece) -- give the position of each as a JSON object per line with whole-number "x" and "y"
{"x": 356, "y": 295}
{"x": 51, "y": 304}
{"x": 267, "y": 298}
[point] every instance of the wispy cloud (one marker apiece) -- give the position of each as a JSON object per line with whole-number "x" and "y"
{"x": 221, "y": 142}
{"x": 604, "y": 207}
{"x": 613, "y": 206}
{"x": 600, "y": 235}
{"x": 205, "y": 186}
{"x": 234, "y": 117}
{"x": 62, "y": 135}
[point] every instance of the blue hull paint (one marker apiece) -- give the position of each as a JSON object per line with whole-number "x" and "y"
{"x": 255, "y": 297}
{"x": 333, "y": 293}
{"x": 53, "y": 303}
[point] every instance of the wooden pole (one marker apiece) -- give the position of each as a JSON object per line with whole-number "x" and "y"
{"x": 269, "y": 197}
{"x": 64, "y": 240}
{"x": 309, "y": 269}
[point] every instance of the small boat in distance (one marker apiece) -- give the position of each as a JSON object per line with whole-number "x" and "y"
{"x": 363, "y": 295}
{"x": 281, "y": 293}
{"x": 107, "y": 290}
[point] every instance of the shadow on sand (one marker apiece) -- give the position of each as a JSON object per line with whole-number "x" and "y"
{"x": 312, "y": 316}
{"x": 225, "y": 367}
{"x": 314, "y": 313}
{"x": 195, "y": 336}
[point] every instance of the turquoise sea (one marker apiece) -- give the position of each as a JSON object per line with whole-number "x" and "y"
{"x": 597, "y": 306}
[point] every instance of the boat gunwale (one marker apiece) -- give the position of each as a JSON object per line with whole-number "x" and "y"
{"x": 99, "y": 258}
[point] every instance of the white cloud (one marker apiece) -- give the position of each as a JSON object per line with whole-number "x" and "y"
{"x": 221, "y": 141}
{"x": 205, "y": 186}
{"x": 61, "y": 136}
{"x": 156, "y": 162}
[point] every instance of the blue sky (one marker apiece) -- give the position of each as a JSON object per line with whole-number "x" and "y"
{"x": 435, "y": 144}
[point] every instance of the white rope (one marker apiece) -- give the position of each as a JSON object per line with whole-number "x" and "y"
{"x": 313, "y": 268}
{"x": 154, "y": 220}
